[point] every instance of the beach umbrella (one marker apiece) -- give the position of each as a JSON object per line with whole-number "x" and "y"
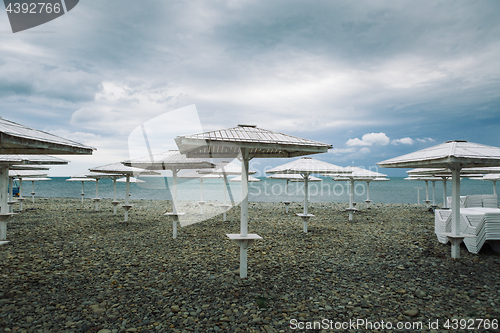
{"x": 492, "y": 178}
{"x": 20, "y": 175}
{"x": 82, "y": 179}
{"x": 246, "y": 142}
{"x": 174, "y": 161}
{"x": 33, "y": 180}
{"x": 6, "y": 161}
{"x": 358, "y": 174}
{"x": 194, "y": 174}
{"x": 226, "y": 169}
{"x": 452, "y": 155}
{"x": 305, "y": 166}
{"x": 118, "y": 170}
{"x": 446, "y": 174}
{"x": 30, "y": 167}
{"x": 291, "y": 177}
{"x": 96, "y": 176}
{"x": 19, "y": 139}
{"x": 428, "y": 179}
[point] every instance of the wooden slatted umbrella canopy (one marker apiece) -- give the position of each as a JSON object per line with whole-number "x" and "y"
{"x": 19, "y": 139}
{"x": 246, "y": 142}
{"x": 452, "y": 155}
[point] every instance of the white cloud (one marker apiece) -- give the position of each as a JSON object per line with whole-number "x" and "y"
{"x": 423, "y": 140}
{"x": 369, "y": 139}
{"x": 404, "y": 141}
{"x": 364, "y": 150}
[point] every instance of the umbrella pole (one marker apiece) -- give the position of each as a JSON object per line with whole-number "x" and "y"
{"x": 20, "y": 199}
{"x": 11, "y": 194}
{"x": 306, "y": 198}
{"x": 82, "y": 194}
{"x": 306, "y": 192}
{"x": 96, "y": 194}
{"x": 455, "y": 214}
{"x": 4, "y": 209}
{"x": 127, "y": 195}
{"x": 244, "y": 214}
{"x": 351, "y": 198}
{"x": 32, "y": 191}
{"x": 427, "y": 193}
{"x": 495, "y": 187}
{"x": 225, "y": 193}
{"x": 287, "y": 203}
{"x": 201, "y": 197}
{"x": 114, "y": 194}
{"x": 174, "y": 203}
{"x": 433, "y": 192}
{"x": 368, "y": 195}
{"x": 445, "y": 202}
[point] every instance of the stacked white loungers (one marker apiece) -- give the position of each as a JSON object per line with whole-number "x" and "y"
{"x": 480, "y": 218}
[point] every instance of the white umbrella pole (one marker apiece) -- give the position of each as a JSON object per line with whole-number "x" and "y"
{"x": 174, "y": 203}
{"x": 201, "y": 196}
{"x": 114, "y": 195}
{"x": 455, "y": 213}
{"x": 433, "y": 192}
{"x": 494, "y": 187}
{"x": 351, "y": 198}
{"x": 287, "y": 203}
{"x": 244, "y": 196}
{"x": 225, "y": 194}
{"x": 306, "y": 201}
{"x": 33, "y": 192}
{"x": 11, "y": 193}
{"x": 4, "y": 209}
{"x": 21, "y": 194}
{"x": 445, "y": 203}
{"x": 367, "y": 194}
{"x": 244, "y": 215}
{"x": 96, "y": 194}
{"x": 306, "y": 192}
{"x": 427, "y": 193}
{"x": 82, "y": 194}
{"x": 127, "y": 195}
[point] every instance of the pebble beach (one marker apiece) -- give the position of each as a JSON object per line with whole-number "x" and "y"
{"x": 69, "y": 268}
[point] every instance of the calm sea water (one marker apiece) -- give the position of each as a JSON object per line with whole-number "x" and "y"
{"x": 397, "y": 190}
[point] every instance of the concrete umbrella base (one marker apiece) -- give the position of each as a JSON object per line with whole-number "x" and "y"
{"x": 225, "y": 207}
{"x": 305, "y": 218}
{"x": 175, "y": 219}
{"x": 244, "y": 242}
{"x": 127, "y": 208}
{"x": 286, "y": 203}
{"x": 115, "y": 203}
{"x": 351, "y": 212}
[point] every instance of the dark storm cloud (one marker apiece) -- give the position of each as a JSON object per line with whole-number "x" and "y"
{"x": 326, "y": 70}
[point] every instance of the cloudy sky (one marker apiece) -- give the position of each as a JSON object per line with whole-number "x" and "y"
{"x": 376, "y": 79}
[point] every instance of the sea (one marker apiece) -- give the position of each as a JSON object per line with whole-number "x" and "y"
{"x": 396, "y": 190}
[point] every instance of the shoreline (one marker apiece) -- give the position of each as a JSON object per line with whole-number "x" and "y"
{"x": 68, "y": 268}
